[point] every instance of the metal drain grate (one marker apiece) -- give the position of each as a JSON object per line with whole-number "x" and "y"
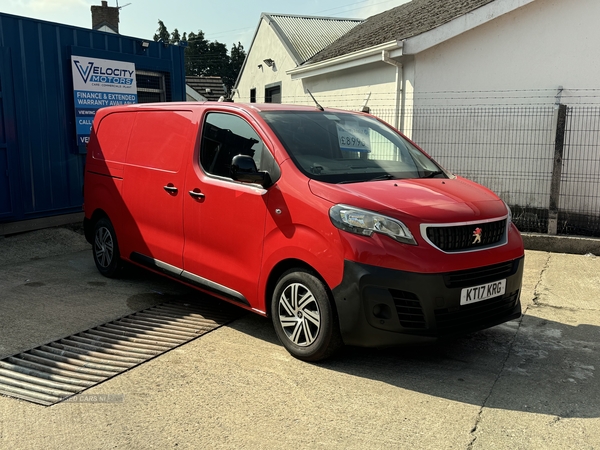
{"x": 53, "y": 372}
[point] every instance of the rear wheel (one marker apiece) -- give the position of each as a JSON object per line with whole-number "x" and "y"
{"x": 303, "y": 316}
{"x": 106, "y": 249}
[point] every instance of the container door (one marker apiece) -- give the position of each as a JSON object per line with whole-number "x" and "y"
{"x": 8, "y": 173}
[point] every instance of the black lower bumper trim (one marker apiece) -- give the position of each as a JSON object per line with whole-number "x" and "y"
{"x": 385, "y": 307}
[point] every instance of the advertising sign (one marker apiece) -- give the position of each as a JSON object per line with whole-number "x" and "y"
{"x": 98, "y": 83}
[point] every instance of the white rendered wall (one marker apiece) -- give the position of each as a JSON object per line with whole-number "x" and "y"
{"x": 540, "y": 46}
{"x": 349, "y": 89}
{"x": 346, "y": 90}
{"x": 267, "y": 45}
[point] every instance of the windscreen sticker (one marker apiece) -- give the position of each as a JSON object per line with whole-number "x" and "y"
{"x": 353, "y": 138}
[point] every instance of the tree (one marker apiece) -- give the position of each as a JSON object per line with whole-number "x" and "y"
{"x": 162, "y": 34}
{"x": 236, "y": 61}
{"x": 175, "y": 37}
{"x": 204, "y": 58}
{"x": 216, "y": 60}
{"x": 195, "y": 54}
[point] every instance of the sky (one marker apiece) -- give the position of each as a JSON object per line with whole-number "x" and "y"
{"x": 226, "y": 21}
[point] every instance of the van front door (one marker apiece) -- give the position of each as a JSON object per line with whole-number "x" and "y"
{"x": 224, "y": 220}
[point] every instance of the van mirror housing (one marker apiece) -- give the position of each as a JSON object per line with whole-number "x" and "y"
{"x": 243, "y": 168}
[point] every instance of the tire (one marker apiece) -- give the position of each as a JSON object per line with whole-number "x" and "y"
{"x": 105, "y": 249}
{"x": 303, "y": 316}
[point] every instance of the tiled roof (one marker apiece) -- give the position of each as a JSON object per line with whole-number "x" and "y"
{"x": 305, "y": 36}
{"x": 210, "y": 88}
{"x": 404, "y": 21}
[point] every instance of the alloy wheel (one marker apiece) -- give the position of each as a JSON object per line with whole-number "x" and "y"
{"x": 104, "y": 247}
{"x": 299, "y": 314}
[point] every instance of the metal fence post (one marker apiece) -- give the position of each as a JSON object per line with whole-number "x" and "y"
{"x": 557, "y": 169}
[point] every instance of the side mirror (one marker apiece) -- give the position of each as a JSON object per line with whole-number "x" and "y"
{"x": 243, "y": 168}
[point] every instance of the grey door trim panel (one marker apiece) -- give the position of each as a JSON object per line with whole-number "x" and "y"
{"x": 156, "y": 264}
{"x": 188, "y": 277}
{"x": 214, "y": 287}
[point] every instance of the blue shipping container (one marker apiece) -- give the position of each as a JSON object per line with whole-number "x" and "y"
{"x": 41, "y": 164}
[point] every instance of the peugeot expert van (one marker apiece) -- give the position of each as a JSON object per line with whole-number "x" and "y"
{"x": 332, "y": 223}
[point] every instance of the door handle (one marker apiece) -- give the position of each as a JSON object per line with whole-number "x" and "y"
{"x": 196, "y": 194}
{"x": 170, "y": 189}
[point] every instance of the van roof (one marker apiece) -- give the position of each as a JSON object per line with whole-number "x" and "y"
{"x": 250, "y": 107}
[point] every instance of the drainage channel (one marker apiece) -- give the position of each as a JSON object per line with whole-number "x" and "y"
{"x": 56, "y": 371}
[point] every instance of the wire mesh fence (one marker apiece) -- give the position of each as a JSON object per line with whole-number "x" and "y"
{"x": 511, "y": 150}
{"x": 579, "y": 203}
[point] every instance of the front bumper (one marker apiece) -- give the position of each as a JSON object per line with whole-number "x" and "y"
{"x": 380, "y": 307}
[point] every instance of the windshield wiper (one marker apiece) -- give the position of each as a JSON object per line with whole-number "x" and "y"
{"x": 433, "y": 174}
{"x": 387, "y": 176}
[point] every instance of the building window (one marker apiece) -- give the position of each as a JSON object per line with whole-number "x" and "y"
{"x": 273, "y": 93}
{"x": 152, "y": 87}
{"x": 253, "y": 95}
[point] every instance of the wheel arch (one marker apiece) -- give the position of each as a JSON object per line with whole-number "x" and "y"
{"x": 288, "y": 264}
{"x": 88, "y": 224}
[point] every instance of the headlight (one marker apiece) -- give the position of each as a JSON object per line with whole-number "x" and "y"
{"x": 360, "y": 221}
{"x": 509, "y": 221}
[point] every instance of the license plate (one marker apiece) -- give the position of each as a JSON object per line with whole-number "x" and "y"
{"x": 483, "y": 292}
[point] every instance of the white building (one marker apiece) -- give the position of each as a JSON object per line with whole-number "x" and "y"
{"x": 282, "y": 43}
{"x": 490, "y": 70}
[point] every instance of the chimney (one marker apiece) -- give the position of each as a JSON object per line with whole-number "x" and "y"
{"x": 105, "y": 18}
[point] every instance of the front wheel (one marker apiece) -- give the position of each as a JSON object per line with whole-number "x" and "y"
{"x": 106, "y": 249}
{"x": 303, "y": 316}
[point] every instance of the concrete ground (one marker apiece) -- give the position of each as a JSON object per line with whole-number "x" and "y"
{"x": 527, "y": 384}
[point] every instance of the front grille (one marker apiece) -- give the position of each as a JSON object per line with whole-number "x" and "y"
{"x": 408, "y": 308}
{"x": 480, "y": 275}
{"x": 464, "y": 237}
{"x": 453, "y": 321}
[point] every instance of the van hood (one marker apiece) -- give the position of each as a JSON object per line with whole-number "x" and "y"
{"x": 426, "y": 200}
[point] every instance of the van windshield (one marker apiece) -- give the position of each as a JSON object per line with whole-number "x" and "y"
{"x": 337, "y": 147}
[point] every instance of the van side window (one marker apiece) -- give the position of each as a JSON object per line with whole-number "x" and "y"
{"x": 225, "y": 136}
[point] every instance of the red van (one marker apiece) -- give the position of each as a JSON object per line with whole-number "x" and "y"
{"x": 331, "y": 222}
